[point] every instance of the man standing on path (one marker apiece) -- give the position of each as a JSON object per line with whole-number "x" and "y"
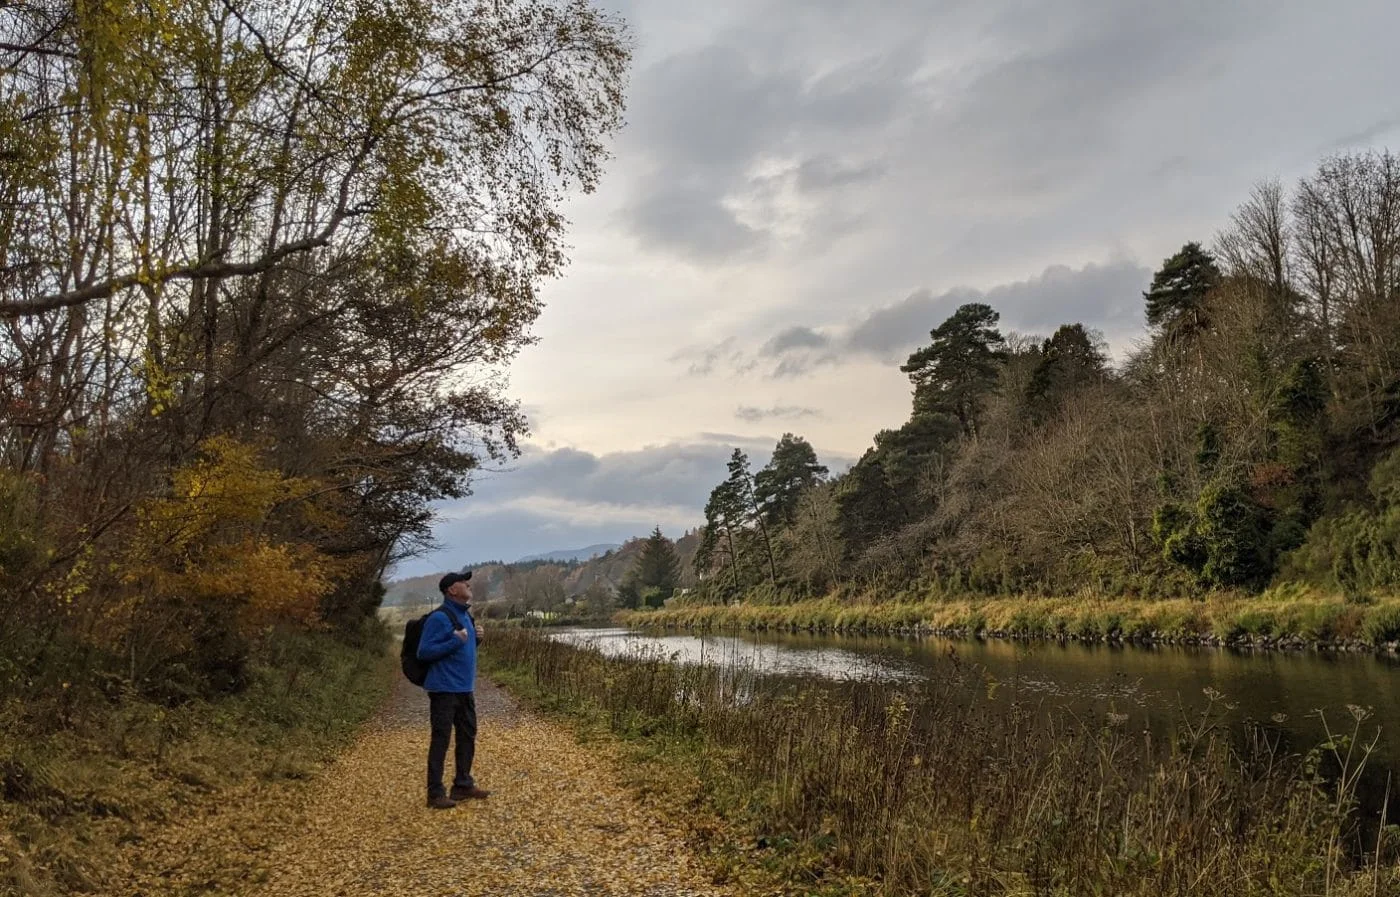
{"x": 449, "y": 643}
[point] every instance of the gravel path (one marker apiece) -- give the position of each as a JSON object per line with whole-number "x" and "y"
{"x": 558, "y": 822}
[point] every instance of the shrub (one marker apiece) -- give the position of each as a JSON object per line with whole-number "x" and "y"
{"x": 1382, "y": 624}
{"x": 1321, "y": 621}
{"x": 22, "y": 543}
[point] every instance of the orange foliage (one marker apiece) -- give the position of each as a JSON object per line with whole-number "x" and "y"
{"x": 211, "y": 540}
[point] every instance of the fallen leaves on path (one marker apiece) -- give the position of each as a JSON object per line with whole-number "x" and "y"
{"x": 559, "y": 821}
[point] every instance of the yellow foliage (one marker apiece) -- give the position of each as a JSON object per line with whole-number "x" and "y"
{"x": 273, "y": 582}
{"x": 228, "y": 487}
{"x": 208, "y": 541}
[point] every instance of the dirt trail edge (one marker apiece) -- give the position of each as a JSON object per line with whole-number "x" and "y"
{"x": 559, "y": 822}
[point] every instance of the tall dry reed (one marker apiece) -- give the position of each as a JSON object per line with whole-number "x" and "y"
{"x": 935, "y": 787}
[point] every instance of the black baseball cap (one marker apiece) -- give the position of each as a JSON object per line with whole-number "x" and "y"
{"x": 452, "y": 579}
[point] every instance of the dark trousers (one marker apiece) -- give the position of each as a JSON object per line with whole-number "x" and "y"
{"x": 451, "y": 712}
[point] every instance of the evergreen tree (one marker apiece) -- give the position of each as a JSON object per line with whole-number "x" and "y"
{"x": 629, "y": 592}
{"x": 868, "y": 507}
{"x": 1069, "y": 360}
{"x": 778, "y": 486}
{"x": 1176, "y": 300}
{"x": 658, "y": 569}
{"x": 958, "y": 370}
{"x": 741, "y": 486}
{"x": 910, "y": 454}
{"x": 1298, "y": 430}
{"x": 721, "y": 537}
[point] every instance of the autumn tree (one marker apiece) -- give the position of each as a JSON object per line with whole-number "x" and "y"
{"x": 538, "y": 588}
{"x": 1348, "y": 235}
{"x": 811, "y": 543}
{"x": 311, "y": 231}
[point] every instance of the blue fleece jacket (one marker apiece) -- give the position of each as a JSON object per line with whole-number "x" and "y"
{"x": 453, "y": 660}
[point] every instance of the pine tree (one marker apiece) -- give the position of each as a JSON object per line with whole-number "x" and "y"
{"x": 658, "y": 569}
{"x": 1069, "y": 360}
{"x": 868, "y": 507}
{"x": 1177, "y": 299}
{"x": 719, "y": 543}
{"x": 741, "y": 487}
{"x": 956, "y": 373}
{"x": 778, "y": 486}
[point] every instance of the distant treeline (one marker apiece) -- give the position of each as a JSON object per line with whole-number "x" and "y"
{"x": 642, "y": 572}
{"x": 1250, "y": 439}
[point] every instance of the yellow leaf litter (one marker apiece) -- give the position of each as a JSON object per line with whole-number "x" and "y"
{"x": 558, "y": 822}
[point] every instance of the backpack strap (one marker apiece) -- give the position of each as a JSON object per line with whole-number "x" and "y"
{"x": 456, "y": 621}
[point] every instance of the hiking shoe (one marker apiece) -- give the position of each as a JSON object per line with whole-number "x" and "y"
{"x": 460, "y": 793}
{"x": 441, "y": 802}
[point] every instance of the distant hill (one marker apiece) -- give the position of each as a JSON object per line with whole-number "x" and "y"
{"x": 576, "y": 554}
{"x": 600, "y": 563}
{"x": 422, "y": 590}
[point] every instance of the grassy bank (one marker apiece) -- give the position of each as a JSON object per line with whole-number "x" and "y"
{"x": 929, "y": 789}
{"x": 84, "y": 799}
{"x": 1272, "y": 620}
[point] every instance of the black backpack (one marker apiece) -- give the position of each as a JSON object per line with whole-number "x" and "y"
{"x": 415, "y": 670}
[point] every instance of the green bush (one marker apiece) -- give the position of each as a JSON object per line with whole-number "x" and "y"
{"x": 22, "y": 544}
{"x": 1321, "y": 622}
{"x": 1382, "y": 624}
{"x": 1231, "y": 527}
{"x": 1359, "y": 551}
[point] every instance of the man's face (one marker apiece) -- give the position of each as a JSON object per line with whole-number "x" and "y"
{"x": 461, "y": 590}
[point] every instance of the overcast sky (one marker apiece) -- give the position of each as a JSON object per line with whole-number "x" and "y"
{"x": 806, "y": 187}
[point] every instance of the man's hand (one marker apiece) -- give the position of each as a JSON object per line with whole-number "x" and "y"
{"x": 478, "y": 633}
{"x": 461, "y": 634}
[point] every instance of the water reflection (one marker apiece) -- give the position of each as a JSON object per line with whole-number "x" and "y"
{"x": 1154, "y": 687}
{"x": 764, "y": 658}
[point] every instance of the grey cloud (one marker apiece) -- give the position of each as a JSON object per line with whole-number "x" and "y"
{"x": 709, "y": 108}
{"x": 1016, "y": 106}
{"x": 1108, "y": 297}
{"x": 564, "y": 498}
{"x": 801, "y": 364}
{"x": 827, "y": 173}
{"x": 1029, "y": 119}
{"x": 671, "y": 475}
{"x": 749, "y": 444}
{"x": 1105, "y": 297}
{"x": 694, "y": 223}
{"x": 794, "y": 338}
{"x": 705, "y": 116}
{"x": 703, "y": 360}
{"x": 905, "y": 323}
{"x": 1171, "y": 166}
{"x": 700, "y": 116}
{"x": 864, "y": 93}
{"x": 754, "y": 414}
{"x": 1367, "y": 135}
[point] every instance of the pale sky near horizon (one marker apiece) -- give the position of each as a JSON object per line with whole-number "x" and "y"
{"x": 806, "y": 187}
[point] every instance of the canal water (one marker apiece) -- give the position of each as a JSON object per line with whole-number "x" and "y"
{"x": 1289, "y": 692}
